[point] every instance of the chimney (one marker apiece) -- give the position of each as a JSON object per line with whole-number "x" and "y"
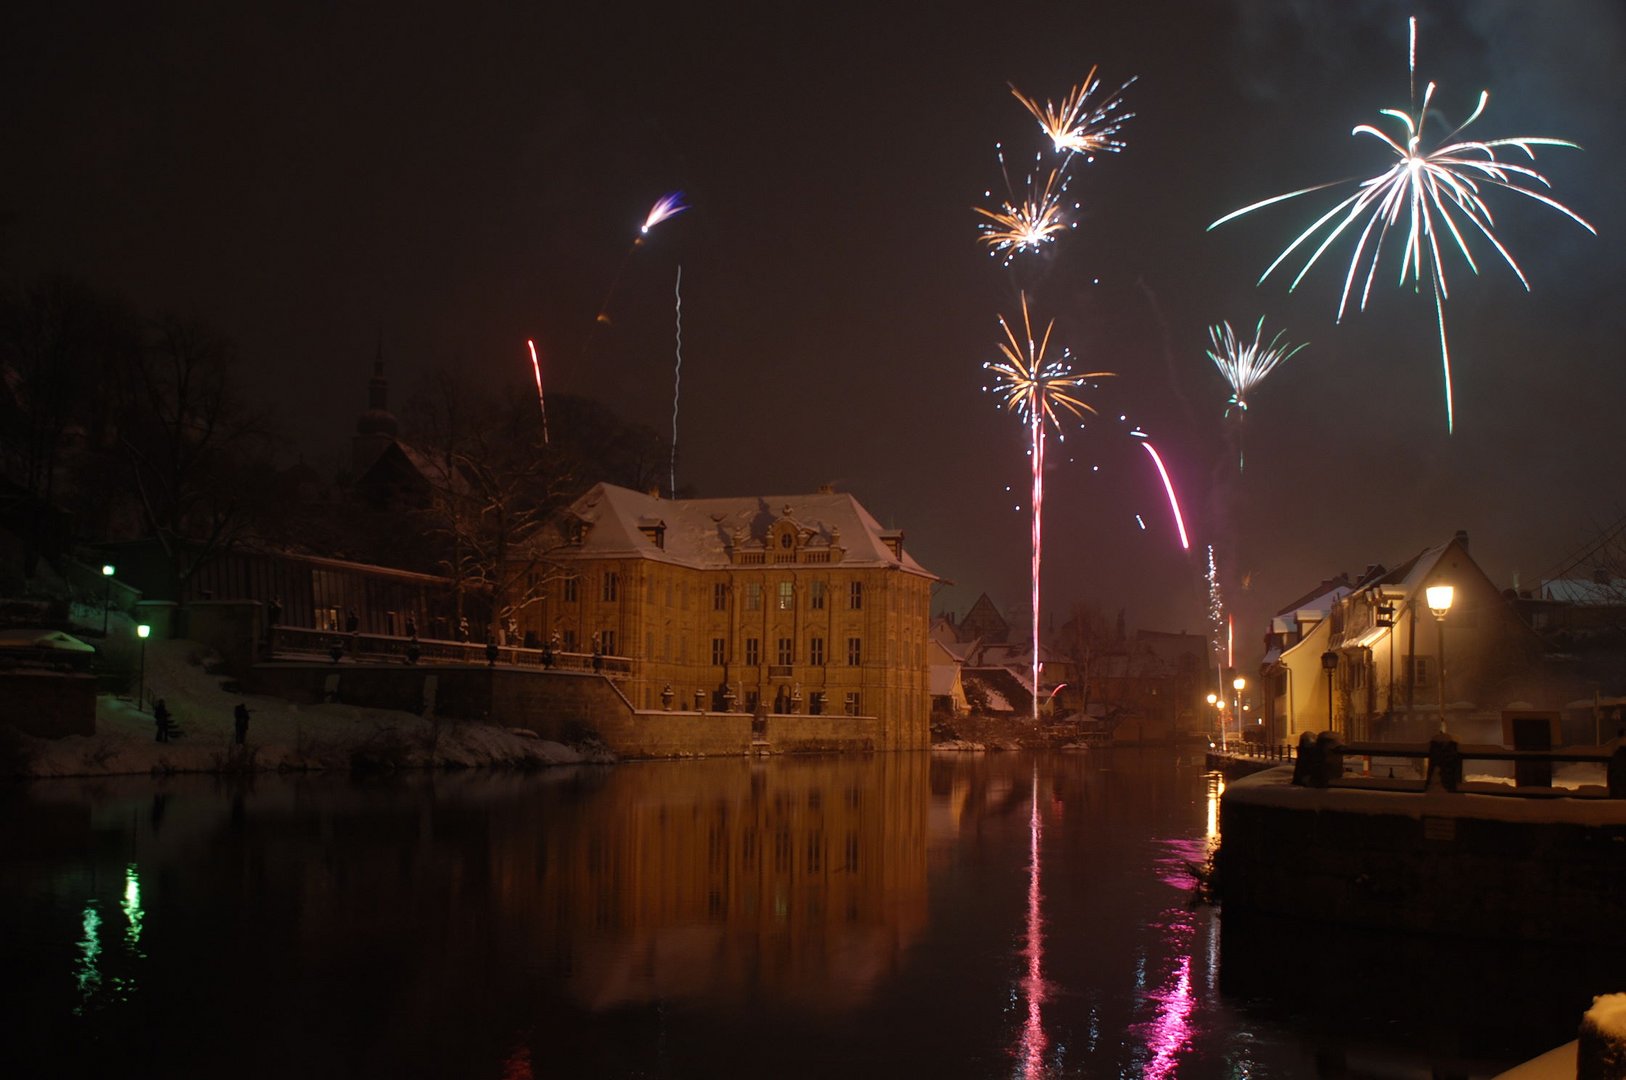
{"x": 827, "y": 489}
{"x": 1462, "y": 539}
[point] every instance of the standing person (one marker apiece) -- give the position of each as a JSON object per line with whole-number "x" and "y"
{"x": 160, "y": 717}
{"x": 463, "y": 628}
{"x": 240, "y": 715}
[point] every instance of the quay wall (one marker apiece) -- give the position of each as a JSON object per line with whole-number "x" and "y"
{"x": 566, "y": 706}
{"x": 1436, "y": 863}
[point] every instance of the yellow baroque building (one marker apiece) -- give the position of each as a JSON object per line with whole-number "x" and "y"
{"x": 782, "y": 604}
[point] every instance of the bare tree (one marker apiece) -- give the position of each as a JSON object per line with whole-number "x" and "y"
{"x": 191, "y": 442}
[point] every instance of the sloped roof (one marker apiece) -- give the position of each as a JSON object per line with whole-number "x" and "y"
{"x": 1585, "y": 591}
{"x": 43, "y": 639}
{"x": 703, "y": 533}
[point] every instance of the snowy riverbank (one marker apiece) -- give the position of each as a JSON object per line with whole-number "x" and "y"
{"x": 281, "y": 734}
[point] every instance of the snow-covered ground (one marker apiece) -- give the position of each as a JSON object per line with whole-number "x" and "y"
{"x": 281, "y": 734}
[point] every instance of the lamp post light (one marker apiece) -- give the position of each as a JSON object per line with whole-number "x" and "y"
{"x": 141, "y": 694}
{"x": 1213, "y": 699}
{"x": 1237, "y": 684}
{"x": 107, "y": 603}
{"x": 1439, "y": 603}
{"x": 1329, "y": 664}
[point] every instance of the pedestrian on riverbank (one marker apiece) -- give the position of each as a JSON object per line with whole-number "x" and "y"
{"x": 160, "y": 718}
{"x": 240, "y": 715}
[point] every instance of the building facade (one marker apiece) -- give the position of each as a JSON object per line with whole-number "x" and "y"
{"x": 798, "y": 603}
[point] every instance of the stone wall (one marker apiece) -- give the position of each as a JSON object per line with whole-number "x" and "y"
{"x": 798, "y": 733}
{"x": 1402, "y": 868}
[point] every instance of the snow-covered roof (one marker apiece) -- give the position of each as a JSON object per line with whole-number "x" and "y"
{"x": 704, "y": 533}
{"x": 43, "y": 639}
{"x": 940, "y": 679}
{"x": 1584, "y": 591}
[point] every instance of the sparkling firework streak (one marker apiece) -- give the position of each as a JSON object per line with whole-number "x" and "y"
{"x": 541, "y": 401}
{"x": 666, "y": 207}
{"x": 1034, "y": 388}
{"x": 1078, "y": 125}
{"x": 1245, "y": 365}
{"x": 1174, "y": 503}
{"x": 1216, "y": 617}
{"x": 1436, "y": 193}
{"x": 677, "y": 376}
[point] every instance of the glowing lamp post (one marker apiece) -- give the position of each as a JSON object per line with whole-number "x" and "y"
{"x": 1213, "y": 699}
{"x": 1439, "y": 603}
{"x": 1329, "y": 664}
{"x": 107, "y": 572}
{"x": 1237, "y": 684}
{"x": 141, "y": 694}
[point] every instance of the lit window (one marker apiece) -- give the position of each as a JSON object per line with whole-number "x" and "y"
{"x": 787, "y": 595}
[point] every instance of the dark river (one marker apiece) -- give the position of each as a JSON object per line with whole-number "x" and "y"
{"x": 1001, "y": 915}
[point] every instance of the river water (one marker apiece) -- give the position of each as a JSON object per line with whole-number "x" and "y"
{"x": 967, "y": 915}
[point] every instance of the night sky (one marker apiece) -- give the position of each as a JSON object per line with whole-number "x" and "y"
{"x": 457, "y": 178}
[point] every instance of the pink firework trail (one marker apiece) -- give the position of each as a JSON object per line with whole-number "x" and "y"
{"x": 1168, "y": 486}
{"x": 541, "y": 402}
{"x": 1038, "y": 390}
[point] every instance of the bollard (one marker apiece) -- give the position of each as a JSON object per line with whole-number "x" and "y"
{"x": 1444, "y": 758}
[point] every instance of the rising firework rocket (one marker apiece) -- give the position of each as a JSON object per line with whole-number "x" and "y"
{"x": 1035, "y": 388}
{"x": 541, "y": 401}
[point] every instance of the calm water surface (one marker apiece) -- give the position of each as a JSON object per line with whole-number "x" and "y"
{"x": 998, "y": 915}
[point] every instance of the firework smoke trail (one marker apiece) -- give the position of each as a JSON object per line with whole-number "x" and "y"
{"x": 1034, "y": 388}
{"x": 1434, "y": 191}
{"x": 541, "y": 402}
{"x": 677, "y": 376}
{"x": 666, "y": 207}
{"x": 1245, "y": 365}
{"x": 1077, "y": 126}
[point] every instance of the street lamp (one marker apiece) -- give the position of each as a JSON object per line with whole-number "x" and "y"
{"x": 1213, "y": 699}
{"x": 1439, "y": 603}
{"x": 1237, "y": 684}
{"x": 1329, "y": 664}
{"x": 141, "y": 695}
{"x": 107, "y": 572}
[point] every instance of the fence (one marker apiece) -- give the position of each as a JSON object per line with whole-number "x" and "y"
{"x": 292, "y": 641}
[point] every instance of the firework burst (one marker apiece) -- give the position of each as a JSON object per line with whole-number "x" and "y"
{"x": 1245, "y": 364}
{"x": 1037, "y": 390}
{"x": 1027, "y": 223}
{"x": 1081, "y": 125}
{"x": 1433, "y": 193}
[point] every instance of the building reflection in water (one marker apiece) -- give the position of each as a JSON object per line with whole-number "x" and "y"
{"x": 804, "y": 879}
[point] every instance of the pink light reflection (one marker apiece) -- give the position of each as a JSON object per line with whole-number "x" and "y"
{"x": 1171, "y": 1031}
{"x": 1031, "y": 1049}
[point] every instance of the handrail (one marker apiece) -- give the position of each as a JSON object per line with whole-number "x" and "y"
{"x": 337, "y": 647}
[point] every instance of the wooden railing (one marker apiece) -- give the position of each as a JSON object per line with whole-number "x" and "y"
{"x": 290, "y": 642}
{"x": 1327, "y": 761}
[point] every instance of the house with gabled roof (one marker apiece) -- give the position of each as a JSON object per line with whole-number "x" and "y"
{"x": 1381, "y": 665}
{"x": 785, "y": 603}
